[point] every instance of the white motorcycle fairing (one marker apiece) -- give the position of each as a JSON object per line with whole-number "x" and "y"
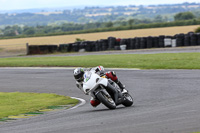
{"x": 92, "y": 81}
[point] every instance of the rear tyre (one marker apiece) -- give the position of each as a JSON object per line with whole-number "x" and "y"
{"x": 106, "y": 99}
{"x": 128, "y": 100}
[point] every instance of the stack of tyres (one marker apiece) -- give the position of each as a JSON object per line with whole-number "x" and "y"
{"x": 137, "y": 42}
{"x": 63, "y": 47}
{"x": 97, "y": 46}
{"x": 100, "y": 42}
{"x": 180, "y": 40}
{"x": 117, "y": 44}
{"x": 193, "y": 39}
{"x": 143, "y": 43}
{"x": 111, "y": 43}
{"x": 123, "y": 44}
{"x": 75, "y": 46}
{"x": 82, "y": 46}
{"x": 93, "y": 45}
{"x": 187, "y": 40}
{"x": 88, "y": 46}
{"x": 104, "y": 44}
{"x": 155, "y": 42}
{"x": 171, "y": 37}
{"x": 198, "y": 38}
{"x": 117, "y": 48}
{"x": 132, "y": 43}
{"x": 52, "y": 48}
{"x": 128, "y": 43}
{"x": 161, "y": 41}
{"x": 69, "y": 49}
{"x": 149, "y": 42}
{"x": 33, "y": 49}
{"x": 190, "y": 33}
{"x": 43, "y": 49}
{"x": 118, "y": 41}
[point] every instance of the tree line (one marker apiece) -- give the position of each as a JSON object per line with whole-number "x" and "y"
{"x": 181, "y": 19}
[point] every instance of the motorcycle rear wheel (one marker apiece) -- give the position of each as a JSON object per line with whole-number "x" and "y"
{"x": 107, "y": 100}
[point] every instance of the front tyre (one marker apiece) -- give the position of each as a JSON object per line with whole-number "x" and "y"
{"x": 128, "y": 100}
{"x": 106, "y": 99}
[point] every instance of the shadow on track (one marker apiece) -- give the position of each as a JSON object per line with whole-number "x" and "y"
{"x": 95, "y": 110}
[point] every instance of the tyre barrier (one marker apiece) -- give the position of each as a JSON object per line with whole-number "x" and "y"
{"x": 187, "y": 40}
{"x": 161, "y": 41}
{"x": 112, "y": 43}
{"x": 193, "y": 40}
{"x": 156, "y": 42}
{"x": 132, "y": 43}
{"x": 198, "y": 38}
{"x": 149, "y": 42}
{"x": 42, "y": 49}
{"x": 128, "y": 46}
{"x": 137, "y": 42}
{"x": 143, "y": 43}
{"x": 122, "y": 42}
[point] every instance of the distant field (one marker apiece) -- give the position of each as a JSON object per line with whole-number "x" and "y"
{"x": 11, "y": 45}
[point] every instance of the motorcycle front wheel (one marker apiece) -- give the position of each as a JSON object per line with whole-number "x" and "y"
{"x": 128, "y": 100}
{"x": 106, "y": 99}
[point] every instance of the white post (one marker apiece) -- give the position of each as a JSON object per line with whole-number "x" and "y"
{"x": 27, "y": 49}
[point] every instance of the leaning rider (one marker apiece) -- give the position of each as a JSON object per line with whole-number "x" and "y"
{"x": 79, "y": 73}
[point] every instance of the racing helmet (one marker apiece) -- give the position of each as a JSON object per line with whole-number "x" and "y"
{"x": 78, "y": 74}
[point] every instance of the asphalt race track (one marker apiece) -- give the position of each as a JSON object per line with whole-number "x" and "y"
{"x": 166, "y": 101}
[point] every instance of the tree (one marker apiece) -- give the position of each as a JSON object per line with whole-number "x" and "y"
{"x": 29, "y": 30}
{"x": 197, "y": 30}
{"x": 9, "y": 32}
{"x": 158, "y": 18}
{"x": 108, "y": 24}
{"x": 130, "y": 22}
{"x": 1, "y": 32}
{"x": 184, "y": 16}
{"x": 79, "y": 40}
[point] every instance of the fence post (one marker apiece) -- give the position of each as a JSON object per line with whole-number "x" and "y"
{"x": 27, "y": 48}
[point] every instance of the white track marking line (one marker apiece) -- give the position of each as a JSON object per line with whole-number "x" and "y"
{"x": 80, "y": 104}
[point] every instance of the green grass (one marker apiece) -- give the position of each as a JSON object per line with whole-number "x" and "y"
{"x": 142, "y": 61}
{"x": 16, "y": 103}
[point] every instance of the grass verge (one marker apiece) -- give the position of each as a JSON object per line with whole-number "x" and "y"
{"x": 16, "y": 103}
{"x": 142, "y": 61}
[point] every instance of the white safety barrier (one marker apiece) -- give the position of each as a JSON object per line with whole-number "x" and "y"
{"x": 168, "y": 42}
{"x": 123, "y": 47}
{"x": 173, "y": 42}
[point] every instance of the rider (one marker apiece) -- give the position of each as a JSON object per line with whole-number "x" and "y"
{"x": 79, "y": 73}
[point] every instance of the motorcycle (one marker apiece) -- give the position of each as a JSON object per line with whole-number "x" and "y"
{"x": 98, "y": 86}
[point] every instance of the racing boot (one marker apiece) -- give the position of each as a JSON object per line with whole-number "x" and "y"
{"x": 112, "y": 75}
{"x": 122, "y": 87}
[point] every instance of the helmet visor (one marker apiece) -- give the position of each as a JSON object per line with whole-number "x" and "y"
{"x": 79, "y": 77}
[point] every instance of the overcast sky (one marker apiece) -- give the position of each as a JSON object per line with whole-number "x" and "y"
{"x": 26, "y": 4}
